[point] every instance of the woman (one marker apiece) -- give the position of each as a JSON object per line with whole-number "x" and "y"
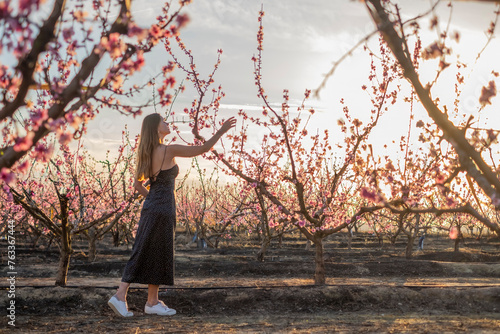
{"x": 152, "y": 260}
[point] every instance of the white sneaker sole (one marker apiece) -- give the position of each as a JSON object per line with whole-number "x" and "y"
{"x": 170, "y": 312}
{"x": 113, "y": 307}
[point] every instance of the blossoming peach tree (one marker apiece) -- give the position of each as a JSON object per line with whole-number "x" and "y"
{"x": 467, "y": 178}
{"x": 295, "y": 170}
{"x": 208, "y": 208}
{"x": 63, "y": 68}
{"x": 72, "y": 195}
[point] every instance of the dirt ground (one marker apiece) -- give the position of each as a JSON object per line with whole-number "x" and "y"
{"x": 370, "y": 289}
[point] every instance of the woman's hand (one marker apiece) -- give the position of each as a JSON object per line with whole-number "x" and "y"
{"x": 192, "y": 151}
{"x": 229, "y": 124}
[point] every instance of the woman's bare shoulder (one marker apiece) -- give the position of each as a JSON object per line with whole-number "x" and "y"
{"x": 161, "y": 148}
{"x": 158, "y": 153}
{"x": 175, "y": 147}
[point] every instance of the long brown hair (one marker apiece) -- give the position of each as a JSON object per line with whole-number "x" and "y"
{"x": 148, "y": 141}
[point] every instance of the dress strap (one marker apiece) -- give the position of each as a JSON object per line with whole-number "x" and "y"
{"x": 164, "y": 154}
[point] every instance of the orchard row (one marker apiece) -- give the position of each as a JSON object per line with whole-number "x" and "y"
{"x": 297, "y": 178}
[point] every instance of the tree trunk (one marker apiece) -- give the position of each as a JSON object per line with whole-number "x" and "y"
{"x": 409, "y": 247}
{"x": 116, "y": 237}
{"x": 380, "y": 239}
{"x": 263, "y": 249}
{"x": 50, "y": 243}
{"x": 349, "y": 239}
{"x": 412, "y": 234}
{"x": 35, "y": 241}
{"x": 62, "y": 270}
{"x": 197, "y": 236}
{"x": 457, "y": 245}
{"x": 319, "y": 276}
{"x": 262, "y": 231}
{"x": 394, "y": 237}
{"x": 66, "y": 250}
{"x": 92, "y": 246}
{"x": 480, "y": 233}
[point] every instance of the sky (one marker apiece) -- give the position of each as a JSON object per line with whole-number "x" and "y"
{"x": 301, "y": 40}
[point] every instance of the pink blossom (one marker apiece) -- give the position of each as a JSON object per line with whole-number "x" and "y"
{"x": 390, "y": 166}
{"x": 73, "y": 120}
{"x": 174, "y": 31}
{"x": 55, "y": 124}
{"x": 42, "y": 152}
{"x": 357, "y": 123}
{"x": 495, "y": 200}
{"x": 7, "y": 176}
{"x": 26, "y": 4}
{"x": 135, "y": 30}
{"x": 301, "y": 223}
{"x": 114, "y": 45}
{"x": 7, "y": 191}
{"x": 4, "y": 9}
{"x": 65, "y": 138}
{"x": 68, "y": 34}
{"x": 24, "y": 166}
{"x": 155, "y": 33}
{"x": 368, "y": 195}
{"x": 434, "y": 50}
{"x": 170, "y": 81}
{"x": 453, "y": 232}
{"x": 169, "y": 68}
{"x": 117, "y": 81}
{"x": 440, "y": 178}
{"x": 182, "y": 20}
{"x": 24, "y": 144}
{"x": 80, "y": 15}
{"x": 487, "y": 93}
{"x": 13, "y": 84}
{"x": 38, "y": 116}
{"x": 139, "y": 63}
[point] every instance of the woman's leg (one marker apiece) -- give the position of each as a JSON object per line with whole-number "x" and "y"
{"x": 153, "y": 295}
{"x": 118, "y": 302}
{"x": 121, "y": 294}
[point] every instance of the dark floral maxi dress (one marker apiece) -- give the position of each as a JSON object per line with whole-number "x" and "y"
{"x": 152, "y": 260}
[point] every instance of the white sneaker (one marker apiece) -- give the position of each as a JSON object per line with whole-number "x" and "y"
{"x": 119, "y": 307}
{"x": 160, "y": 309}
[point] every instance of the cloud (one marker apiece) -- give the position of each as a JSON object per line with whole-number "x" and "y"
{"x": 240, "y": 106}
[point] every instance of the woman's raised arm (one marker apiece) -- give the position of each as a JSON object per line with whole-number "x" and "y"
{"x": 192, "y": 151}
